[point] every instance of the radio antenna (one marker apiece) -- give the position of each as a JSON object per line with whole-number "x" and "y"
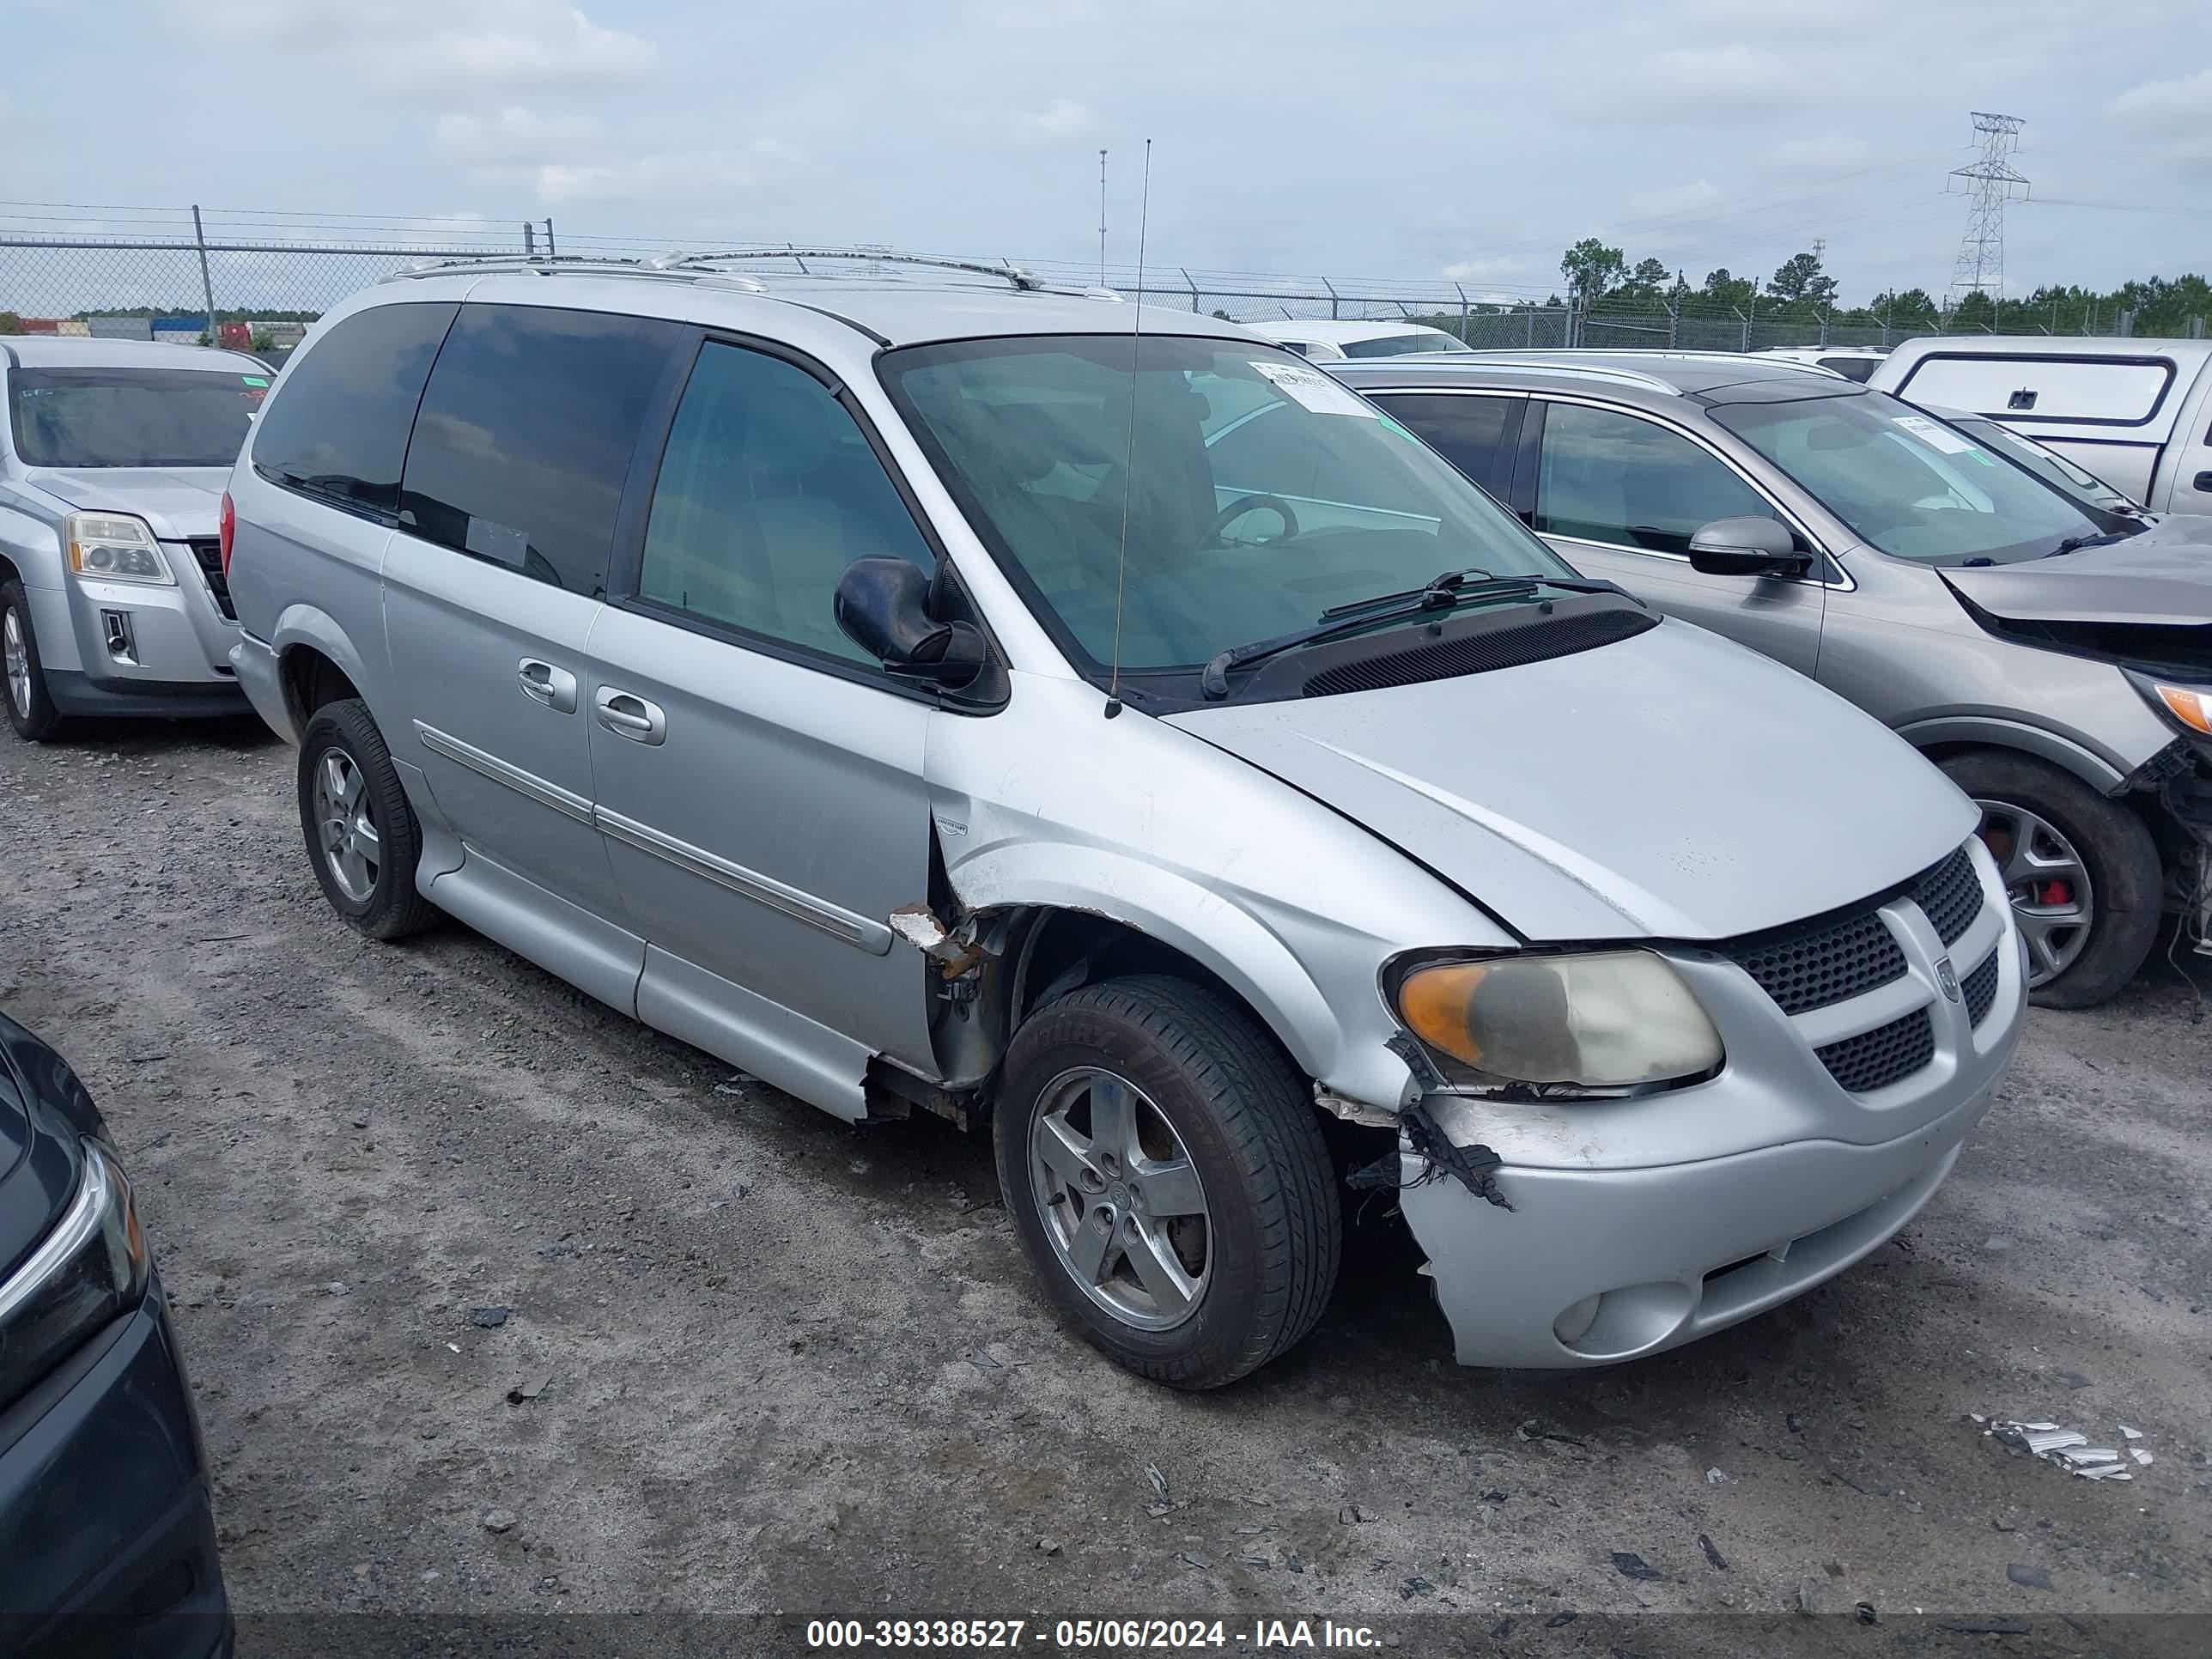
{"x": 1101, "y": 218}
{"x": 1129, "y": 456}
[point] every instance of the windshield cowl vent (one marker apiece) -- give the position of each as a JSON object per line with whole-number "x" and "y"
{"x": 1537, "y": 640}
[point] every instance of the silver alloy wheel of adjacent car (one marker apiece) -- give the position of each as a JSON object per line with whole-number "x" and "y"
{"x": 1120, "y": 1199}
{"x": 2048, "y": 882}
{"x": 17, "y": 652}
{"x": 347, "y": 825}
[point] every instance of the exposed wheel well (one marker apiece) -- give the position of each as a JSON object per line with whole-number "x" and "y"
{"x": 7, "y": 571}
{"x": 311, "y": 679}
{"x": 1064, "y": 949}
{"x": 2143, "y": 803}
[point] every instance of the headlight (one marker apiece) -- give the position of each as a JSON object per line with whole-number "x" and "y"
{"x": 2190, "y": 705}
{"x": 1610, "y": 1020}
{"x": 90, "y": 1269}
{"x": 109, "y": 547}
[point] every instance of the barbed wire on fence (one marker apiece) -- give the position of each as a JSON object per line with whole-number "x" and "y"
{"x": 180, "y": 274}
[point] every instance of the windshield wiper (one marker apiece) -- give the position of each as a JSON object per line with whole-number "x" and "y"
{"x": 2075, "y": 544}
{"x": 1442, "y": 593}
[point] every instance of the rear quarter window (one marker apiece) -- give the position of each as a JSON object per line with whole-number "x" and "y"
{"x": 525, "y": 434}
{"x": 337, "y": 429}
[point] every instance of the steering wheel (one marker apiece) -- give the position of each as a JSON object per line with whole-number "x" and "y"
{"x": 1243, "y": 504}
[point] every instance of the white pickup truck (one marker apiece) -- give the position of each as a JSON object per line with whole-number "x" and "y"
{"x": 2137, "y": 413}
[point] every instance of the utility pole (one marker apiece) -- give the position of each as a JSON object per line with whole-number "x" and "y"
{"x": 1980, "y": 266}
{"x": 206, "y": 284}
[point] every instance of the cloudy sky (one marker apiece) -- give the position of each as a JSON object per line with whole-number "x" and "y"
{"x": 1415, "y": 140}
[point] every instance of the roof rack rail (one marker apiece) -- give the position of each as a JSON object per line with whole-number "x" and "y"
{"x": 565, "y": 264}
{"x": 1519, "y": 363}
{"x": 1006, "y": 271}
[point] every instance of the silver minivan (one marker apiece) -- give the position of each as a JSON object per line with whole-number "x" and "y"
{"x": 2054, "y": 656}
{"x": 889, "y": 683}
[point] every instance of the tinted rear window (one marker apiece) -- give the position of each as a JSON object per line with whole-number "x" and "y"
{"x": 131, "y": 416}
{"x": 338, "y": 428}
{"x": 1464, "y": 430}
{"x": 526, "y": 434}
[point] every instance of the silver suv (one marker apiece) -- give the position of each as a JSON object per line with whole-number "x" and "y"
{"x": 113, "y": 458}
{"x": 915, "y": 687}
{"x": 2053, "y": 655}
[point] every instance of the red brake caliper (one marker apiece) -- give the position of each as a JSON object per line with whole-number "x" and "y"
{"x": 2054, "y": 892}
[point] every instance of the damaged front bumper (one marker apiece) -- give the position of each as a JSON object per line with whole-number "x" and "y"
{"x": 1590, "y": 1266}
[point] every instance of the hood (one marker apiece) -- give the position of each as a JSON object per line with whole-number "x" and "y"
{"x": 1670, "y": 786}
{"x": 180, "y": 503}
{"x": 2160, "y": 577}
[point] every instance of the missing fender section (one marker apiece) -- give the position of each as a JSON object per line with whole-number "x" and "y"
{"x": 1353, "y": 1111}
{"x": 1473, "y": 1167}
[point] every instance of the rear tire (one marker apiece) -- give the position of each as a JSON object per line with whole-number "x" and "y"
{"x": 362, "y": 835}
{"x": 1218, "y": 1098}
{"x": 31, "y": 708}
{"x": 2126, "y": 881}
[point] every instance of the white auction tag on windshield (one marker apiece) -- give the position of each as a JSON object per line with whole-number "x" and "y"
{"x": 1934, "y": 434}
{"x": 1311, "y": 389}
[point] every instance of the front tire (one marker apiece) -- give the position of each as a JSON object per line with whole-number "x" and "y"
{"x": 31, "y": 708}
{"x": 1166, "y": 1169}
{"x": 362, "y": 835}
{"x": 2083, "y": 873}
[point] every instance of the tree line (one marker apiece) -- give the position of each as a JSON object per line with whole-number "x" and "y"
{"x": 1802, "y": 291}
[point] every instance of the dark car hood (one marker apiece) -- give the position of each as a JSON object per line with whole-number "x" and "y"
{"x": 2161, "y": 577}
{"x": 43, "y": 1111}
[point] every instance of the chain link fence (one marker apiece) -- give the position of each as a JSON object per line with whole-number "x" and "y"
{"x": 195, "y": 283}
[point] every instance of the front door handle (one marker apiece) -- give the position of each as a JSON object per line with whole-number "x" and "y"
{"x": 2202, "y": 483}
{"x": 542, "y": 682}
{"x": 629, "y": 715}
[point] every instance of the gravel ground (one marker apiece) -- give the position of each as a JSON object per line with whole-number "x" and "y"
{"x": 781, "y": 1364}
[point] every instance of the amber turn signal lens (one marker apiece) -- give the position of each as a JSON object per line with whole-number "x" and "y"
{"x": 1435, "y": 1003}
{"x": 2192, "y": 708}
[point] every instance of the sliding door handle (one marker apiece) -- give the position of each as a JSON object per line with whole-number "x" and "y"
{"x": 629, "y": 715}
{"x": 541, "y": 681}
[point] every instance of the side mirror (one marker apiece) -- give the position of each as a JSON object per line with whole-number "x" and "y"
{"x": 883, "y": 606}
{"x": 1748, "y": 547}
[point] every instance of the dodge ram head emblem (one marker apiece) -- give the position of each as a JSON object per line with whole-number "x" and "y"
{"x": 1947, "y": 977}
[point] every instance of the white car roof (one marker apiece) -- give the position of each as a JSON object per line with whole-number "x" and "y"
{"x": 1336, "y": 333}
{"x": 2050, "y": 345}
{"x": 78, "y": 351}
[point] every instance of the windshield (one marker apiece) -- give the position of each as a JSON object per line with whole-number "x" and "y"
{"x": 1401, "y": 345}
{"x": 2046, "y": 463}
{"x": 131, "y": 416}
{"x": 1258, "y": 491}
{"x": 1906, "y": 481}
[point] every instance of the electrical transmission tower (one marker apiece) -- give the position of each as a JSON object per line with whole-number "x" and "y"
{"x": 1980, "y": 267}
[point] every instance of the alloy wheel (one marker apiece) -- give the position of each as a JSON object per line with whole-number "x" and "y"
{"x": 1121, "y": 1200}
{"x": 2048, "y": 882}
{"x": 17, "y": 653}
{"x": 346, "y": 826}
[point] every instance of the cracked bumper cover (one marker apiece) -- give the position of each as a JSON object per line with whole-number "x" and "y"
{"x": 1674, "y": 1253}
{"x": 1614, "y": 1253}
